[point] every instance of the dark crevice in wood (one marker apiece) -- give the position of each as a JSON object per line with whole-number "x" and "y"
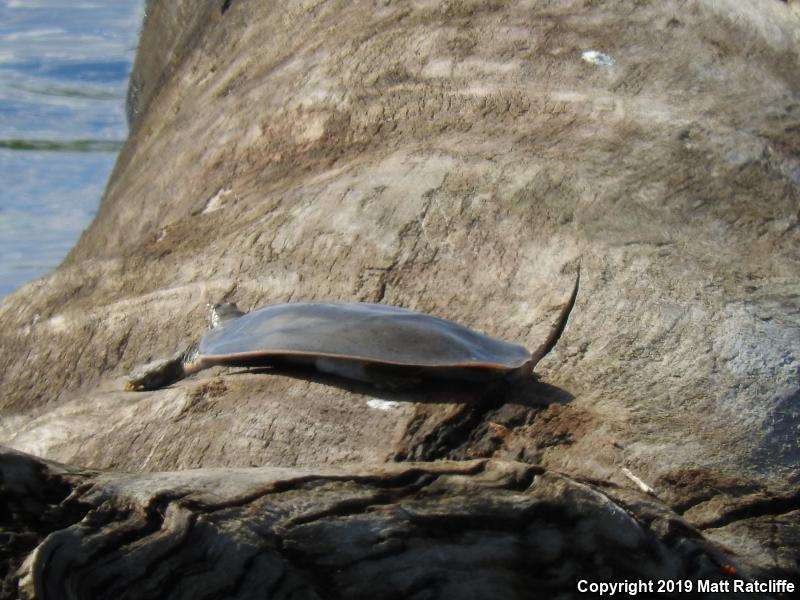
{"x": 763, "y": 507}
{"x": 33, "y": 503}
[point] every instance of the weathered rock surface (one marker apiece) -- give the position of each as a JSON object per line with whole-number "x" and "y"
{"x": 458, "y": 158}
{"x": 471, "y": 529}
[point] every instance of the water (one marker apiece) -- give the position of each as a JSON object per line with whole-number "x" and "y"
{"x": 64, "y": 67}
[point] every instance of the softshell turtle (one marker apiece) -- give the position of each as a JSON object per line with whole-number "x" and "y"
{"x": 367, "y": 342}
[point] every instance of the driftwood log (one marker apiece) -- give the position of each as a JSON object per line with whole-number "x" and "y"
{"x": 458, "y": 158}
{"x": 469, "y": 529}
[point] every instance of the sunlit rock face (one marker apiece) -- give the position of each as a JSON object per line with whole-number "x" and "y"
{"x": 459, "y": 159}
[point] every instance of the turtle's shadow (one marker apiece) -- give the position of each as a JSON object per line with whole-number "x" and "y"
{"x": 530, "y": 392}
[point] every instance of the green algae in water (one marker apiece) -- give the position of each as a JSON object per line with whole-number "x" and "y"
{"x": 65, "y": 146}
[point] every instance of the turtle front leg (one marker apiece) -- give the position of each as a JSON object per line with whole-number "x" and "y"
{"x": 161, "y": 373}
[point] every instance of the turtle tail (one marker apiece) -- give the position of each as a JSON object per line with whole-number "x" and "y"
{"x": 559, "y": 326}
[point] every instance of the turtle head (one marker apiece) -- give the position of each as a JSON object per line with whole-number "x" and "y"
{"x": 157, "y": 374}
{"x": 219, "y": 314}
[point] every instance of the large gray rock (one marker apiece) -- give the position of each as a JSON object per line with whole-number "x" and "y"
{"x": 458, "y": 158}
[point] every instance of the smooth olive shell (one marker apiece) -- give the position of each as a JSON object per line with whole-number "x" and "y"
{"x": 371, "y": 333}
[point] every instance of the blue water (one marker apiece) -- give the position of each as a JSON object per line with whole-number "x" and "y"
{"x": 64, "y": 67}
